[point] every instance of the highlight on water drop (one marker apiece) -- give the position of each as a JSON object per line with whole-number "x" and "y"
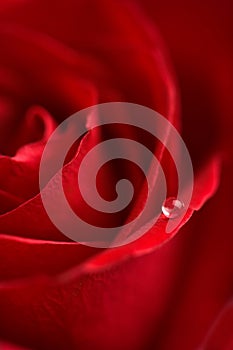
{"x": 172, "y": 207}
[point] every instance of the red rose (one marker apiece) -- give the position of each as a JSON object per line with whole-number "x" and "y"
{"x": 58, "y": 58}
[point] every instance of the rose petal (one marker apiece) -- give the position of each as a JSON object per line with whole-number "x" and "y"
{"x": 19, "y": 174}
{"x": 41, "y": 228}
{"x": 220, "y": 335}
{"x": 7, "y": 346}
{"x": 24, "y": 258}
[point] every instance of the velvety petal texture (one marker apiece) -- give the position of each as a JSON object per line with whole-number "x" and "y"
{"x": 162, "y": 291}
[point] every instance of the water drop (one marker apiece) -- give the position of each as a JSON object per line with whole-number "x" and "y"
{"x": 172, "y": 207}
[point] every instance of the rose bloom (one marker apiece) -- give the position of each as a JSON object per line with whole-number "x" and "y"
{"x": 161, "y": 291}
